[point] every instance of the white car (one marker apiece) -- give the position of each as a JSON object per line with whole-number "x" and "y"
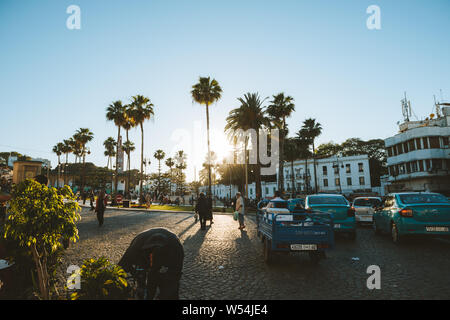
{"x": 365, "y": 207}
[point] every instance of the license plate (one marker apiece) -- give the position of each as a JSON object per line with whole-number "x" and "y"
{"x": 337, "y": 225}
{"x": 437, "y": 229}
{"x": 305, "y": 247}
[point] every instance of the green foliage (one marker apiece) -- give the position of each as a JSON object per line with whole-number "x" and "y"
{"x": 100, "y": 280}
{"x": 42, "y": 220}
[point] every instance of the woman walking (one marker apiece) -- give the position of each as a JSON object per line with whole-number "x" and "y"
{"x": 203, "y": 209}
{"x": 240, "y": 207}
{"x": 100, "y": 207}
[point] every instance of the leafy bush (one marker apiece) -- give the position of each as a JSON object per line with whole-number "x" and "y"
{"x": 100, "y": 280}
{"x": 42, "y": 220}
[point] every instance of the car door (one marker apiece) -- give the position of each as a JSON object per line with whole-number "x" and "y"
{"x": 386, "y": 212}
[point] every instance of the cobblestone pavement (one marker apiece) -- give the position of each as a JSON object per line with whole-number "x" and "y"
{"x": 225, "y": 263}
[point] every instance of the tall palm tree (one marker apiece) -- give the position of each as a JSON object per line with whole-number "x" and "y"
{"x": 128, "y": 147}
{"x": 311, "y": 130}
{"x": 116, "y": 112}
{"x": 58, "y": 150}
{"x": 250, "y": 115}
{"x": 159, "y": 155}
{"x": 127, "y": 125}
{"x": 291, "y": 153}
{"x": 170, "y": 163}
{"x": 206, "y": 92}
{"x": 141, "y": 110}
{"x": 67, "y": 148}
{"x": 180, "y": 165}
{"x": 83, "y": 136}
{"x": 110, "y": 145}
{"x": 303, "y": 147}
{"x": 281, "y": 107}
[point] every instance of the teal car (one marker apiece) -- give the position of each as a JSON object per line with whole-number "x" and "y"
{"x": 342, "y": 212}
{"x": 413, "y": 214}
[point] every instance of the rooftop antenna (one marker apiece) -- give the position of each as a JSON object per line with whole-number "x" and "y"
{"x": 406, "y": 108}
{"x": 437, "y": 105}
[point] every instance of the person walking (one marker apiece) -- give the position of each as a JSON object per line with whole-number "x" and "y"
{"x": 91, "y": 199}
{"x": 203, "y": 209}
{"x": 240, "y": 208}
{"x": 100, "y": 207}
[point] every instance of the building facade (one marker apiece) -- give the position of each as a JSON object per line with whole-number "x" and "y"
{"x": 418, "y": 157}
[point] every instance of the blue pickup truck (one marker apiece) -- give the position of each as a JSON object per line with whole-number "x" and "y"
{"x": 284, "y": 230}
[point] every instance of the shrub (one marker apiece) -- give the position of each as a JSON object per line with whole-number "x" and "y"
{"x": 100, "y": 280}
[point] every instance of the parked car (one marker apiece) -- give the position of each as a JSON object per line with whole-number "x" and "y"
{"x": 364, "y": 208}
{"x": 337, "y": 205}
{"x": 413, "y": 213}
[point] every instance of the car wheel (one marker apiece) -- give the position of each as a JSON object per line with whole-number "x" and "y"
{"x": 394, "y": 233}
{"x": 268, "y": 254}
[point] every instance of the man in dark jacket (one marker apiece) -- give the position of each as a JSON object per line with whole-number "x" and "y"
{"x": 204, "y": 209}
{"x": 160, "y": 254}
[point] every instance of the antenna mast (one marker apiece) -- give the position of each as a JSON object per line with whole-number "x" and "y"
{"x": 406, "y": 108}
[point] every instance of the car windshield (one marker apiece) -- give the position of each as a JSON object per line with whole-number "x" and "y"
{"x": 367, "y": 202}
{"x": 327, "y": 200}
{"x": 423, "y": 198}
{"x": 279, "y": 205}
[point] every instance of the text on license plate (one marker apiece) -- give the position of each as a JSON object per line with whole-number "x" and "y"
{"x": 337, "y": 225}
{"x": 303, "y": 246}
{"x": 437, "y": 229}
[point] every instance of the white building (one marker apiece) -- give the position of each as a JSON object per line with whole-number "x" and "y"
{"x": 418, "y": 157}
{"x": 334, "y": 175}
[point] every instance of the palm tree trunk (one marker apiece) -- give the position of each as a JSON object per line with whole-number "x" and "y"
{"x": 116, "y": 177}
{"x": 306, "y": 175}
{"x": 245, "y": 168}
{"x": 128, "y": 167}
{"x": 258, "y": 188}
{"x": 292, "y": 179}
{"x": 281, "y": 164}
{"x": 209, "y": 151}
{"x": 59, "y": 171}
{"x": 314, "y": 163}
{"x": 142, "y": 159}
{"x": 65, "y": 169}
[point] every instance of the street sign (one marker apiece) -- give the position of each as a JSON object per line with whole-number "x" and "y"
{"x": 119, "y": 198}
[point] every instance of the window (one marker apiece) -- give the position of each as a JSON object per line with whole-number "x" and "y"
{"x": 347, "y": 168}
{"x": 389, "y": 151}
{"x": 414, "y": 166}
{"x": 418, "y": 144}
{"x": 325, "y": 170}
{"x": 428, "y": 164}
{"x": 361, "y": 181}
{"x": 327, "y": 200}
{"x": 337, "y": 181}
{"x": 336, "y": 169}
{"x": 436, "y": 164}
{"x": 325, "y": 182}
{"x": 405, "y": 147}
{"x": 400, "y": 148}
{"x": 434, "y": 143}
{"x": 360, "y": 167}
{"x": 408, "y": 168}
{"x": 411, "y": 145}
{"x": 445, "y": 141}
{"x": 425, "y": 142}
{"x": 421, "y": 165}
{"x": 349, "y": 181}
{"x": 267, "y": 190}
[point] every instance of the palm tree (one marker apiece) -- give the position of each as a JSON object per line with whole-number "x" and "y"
{"x": 281, "y": 107}
{"x": 303, "y": 145}
{"x": 311, "y": 130}
{"x": 291, "y": 153}
{"x": 250, "y": 115}
{"x": 128, "y": 147}
{"x": 83, "y": 136}
{"x": 58, "y": 150}
{"x": 67, "y": 148}
{"x": 110, "y": 145}
{"x": 141, "y": 110}
{"x": 206, "y": 92}
{"x": 159, "y": 155}
{"x": 180, "y": 165}
{"x": 116, "y": 112}
{"x": 170, "y": 163}
{"x": 127, "y": 125}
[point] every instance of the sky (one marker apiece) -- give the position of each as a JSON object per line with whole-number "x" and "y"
{"x": 54, "y": 80}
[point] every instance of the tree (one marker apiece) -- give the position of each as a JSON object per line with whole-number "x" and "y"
{"x": 42, "y": 219}
{"x": 67, "y": 148}
{"x": 170, "y": 163}
{"x": 291, "y": 153}
{"x": 58, "y": 150}
{"x": 303, "y": 147}
{"x": 116, "y": 113}
{"x": 281, "y": 107}
{"x": 159, "y": 155}
{"x": 250, "y": 115}
{"x": 180, "y": 160}
{"x": 109, "y": 144}
{"x": 141, "y": 110}
{"x": 206, "y": 92}
{"x": 311, "y": 130}
{"x": 329, "y": 149}
{"x": 128, "y": 146}
{"x": 82, "y": 136}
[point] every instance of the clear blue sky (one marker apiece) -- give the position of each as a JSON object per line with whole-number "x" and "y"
{"x": 54, "y": 80}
